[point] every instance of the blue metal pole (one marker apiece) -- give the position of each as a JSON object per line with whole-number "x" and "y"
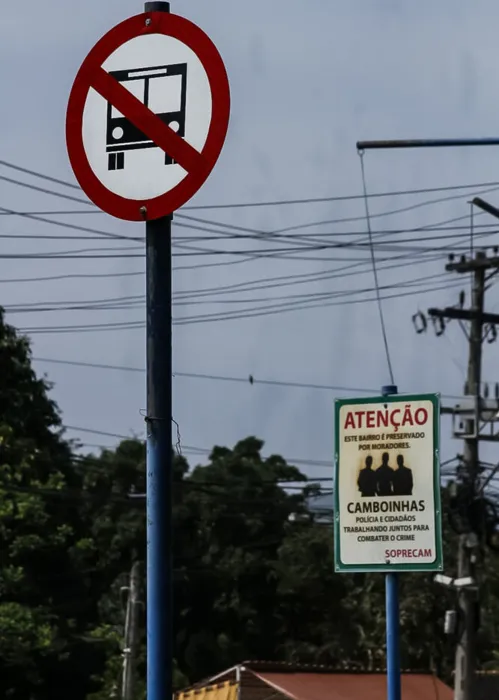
{"x": 426, "y": 143}
{"x": 392, "y": 637}
{"x": 159, "y": 451}
{"x": 159, "y": 460}
{"x": 394, "y": 691}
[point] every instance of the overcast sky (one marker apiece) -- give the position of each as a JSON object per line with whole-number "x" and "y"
{"x": 308, "y": 80}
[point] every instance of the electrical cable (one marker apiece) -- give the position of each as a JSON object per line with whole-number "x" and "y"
{"x": 287, "y": 253}
{"x": 375, "y": 273}
{"x": 65, "y": 224}
{"x": 209, "y": 252}
{"x": 131, "y": 301}
{"x": 489, "y": 188}
{"x": 298, "y": 306}
{"x": 250, "y": 379}
{"x": 223, "y": 316}
{"x": 200, "y": 450}
{"x": 52, "y": 278}
{"x": 292, "y": 280}
{"x": 310, "y": 200}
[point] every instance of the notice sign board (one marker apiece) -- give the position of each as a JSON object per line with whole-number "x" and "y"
{"x": 387, "y": 484}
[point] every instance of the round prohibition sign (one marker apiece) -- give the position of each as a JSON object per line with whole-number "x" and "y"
{"x": 197, "y": 164}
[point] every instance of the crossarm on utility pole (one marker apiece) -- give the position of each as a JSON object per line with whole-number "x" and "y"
{"x": 464, "y": 314}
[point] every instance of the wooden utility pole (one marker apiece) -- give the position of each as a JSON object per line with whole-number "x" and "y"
{"x": 131, "y": 635}
{"x": 465, "y": 664}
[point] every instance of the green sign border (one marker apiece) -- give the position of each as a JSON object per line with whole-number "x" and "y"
{"x": 437, "y": 564}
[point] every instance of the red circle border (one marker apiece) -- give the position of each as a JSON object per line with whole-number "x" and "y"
{"x": 193, "y": 37}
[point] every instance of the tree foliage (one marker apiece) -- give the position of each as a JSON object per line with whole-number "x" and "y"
{"x": 253, "y": 567}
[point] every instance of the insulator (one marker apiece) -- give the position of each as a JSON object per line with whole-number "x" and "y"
{"x": 450, "y": 622}
{"x": 438, "y": 325}
{"x": 420, "y": 323}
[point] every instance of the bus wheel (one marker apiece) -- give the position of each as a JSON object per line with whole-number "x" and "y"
{"x": 116, "y": 161}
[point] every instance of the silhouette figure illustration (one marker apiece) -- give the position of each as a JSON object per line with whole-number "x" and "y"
{"x": 402, "y": 479}
{"x": 384, "y": 477}
{"x": 367, "y": 479}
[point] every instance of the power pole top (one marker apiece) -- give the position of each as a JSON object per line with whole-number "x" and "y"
{"x": 464, "y": 314}
{"x": 481, "y": 261}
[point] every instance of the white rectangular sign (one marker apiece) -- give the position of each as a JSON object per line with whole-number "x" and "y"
{"x": 387, "y": 484}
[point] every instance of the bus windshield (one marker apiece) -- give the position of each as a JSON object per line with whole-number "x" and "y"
{"x": 165, "y": 94}
{"x": 137, "y": 88}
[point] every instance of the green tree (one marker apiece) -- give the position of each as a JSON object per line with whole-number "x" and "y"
{"x": 40, "y": 588}
{"x": 330, "y": 618}
{"x": 234, "y": 518}
{"x": 114, "y": 520}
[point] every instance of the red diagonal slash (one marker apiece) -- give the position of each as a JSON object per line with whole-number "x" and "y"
{"x": 148, "y": 122}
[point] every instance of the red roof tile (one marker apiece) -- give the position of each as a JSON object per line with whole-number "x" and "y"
{"x": 353, "y": 686}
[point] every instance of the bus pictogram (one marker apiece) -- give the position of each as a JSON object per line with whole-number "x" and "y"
{"x": 163, "y": 89}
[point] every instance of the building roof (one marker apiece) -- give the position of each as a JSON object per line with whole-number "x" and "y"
{"x": 353, "y": 686}
{"x": 313, "y": 682}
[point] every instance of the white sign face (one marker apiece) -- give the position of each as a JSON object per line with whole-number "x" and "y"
{"x": 166, "y": 76}
{"x": 387, "y": 484}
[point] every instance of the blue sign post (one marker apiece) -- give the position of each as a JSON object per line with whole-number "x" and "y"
{"x": 172, "y": 139}
{"x": 159, "y": 465}
{"x": 387, "y": 497}
{"x": 394, "y": 688}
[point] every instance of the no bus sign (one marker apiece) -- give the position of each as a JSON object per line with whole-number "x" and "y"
{"x": 387, "y": 484}
{"x": 147, "y": 116}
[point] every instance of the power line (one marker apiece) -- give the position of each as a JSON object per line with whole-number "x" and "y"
{"x": 126, "y": 325}
{"x": 85, "y": 201}
{"x": 256, "y": 253}
{"x": 250, "y": 379}
{"x": 64, "y": 255}
{"x": 310, "y": 200}
{"x": 201, "y": 451}
{"x": 375, "y": 273}
{"x": 197, "y": 450}
{"x": 340, "y": 198}
{"x": 190, "y": 251}
{"x": 44, "y": 190}
{"x": 341, "y": 234}
{"x": 64, "y": 224}
{"x": 379, "y": 215}
{"x": 295, "y": 306}
{"x": 220, "y": 316}
{"x": 292, "y": 280}
{"x": 128, "y": 302}
{"x": 327, "y": 274}
{"x": 51, "y": 278}
{"x": 490, "y": 188}
{"x": 57, "y": 212}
